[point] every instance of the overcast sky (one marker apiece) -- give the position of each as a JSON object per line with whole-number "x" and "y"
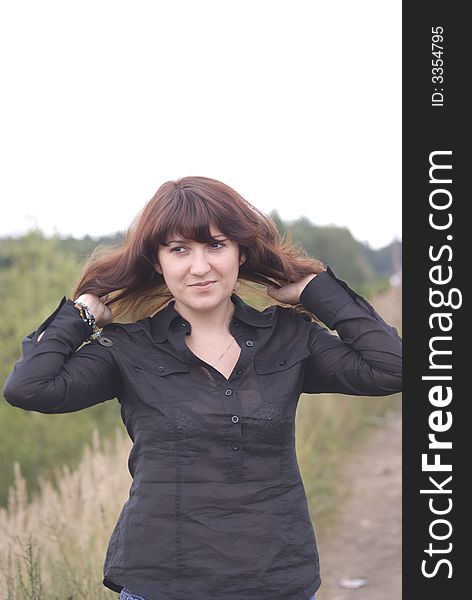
{"x": 297, "y": 105}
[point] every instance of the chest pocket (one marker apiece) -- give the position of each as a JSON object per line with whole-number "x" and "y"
{"x": 279, "y": 377}
{"x": 160, "y": 379}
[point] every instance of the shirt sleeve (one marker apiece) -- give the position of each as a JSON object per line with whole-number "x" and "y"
{"x": 52, "y": 376}
{"x": 365, "y": 358}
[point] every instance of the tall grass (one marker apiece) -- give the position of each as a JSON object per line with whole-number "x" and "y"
{"x": 53, "y": 546}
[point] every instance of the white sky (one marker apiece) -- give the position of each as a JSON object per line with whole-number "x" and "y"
{"x": 297, "y": 105}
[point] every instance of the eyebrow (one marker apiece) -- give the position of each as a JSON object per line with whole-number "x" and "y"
{"x": 220, "y": 235}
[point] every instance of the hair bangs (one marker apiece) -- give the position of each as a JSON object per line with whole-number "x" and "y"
{"x": 188, "y": 216}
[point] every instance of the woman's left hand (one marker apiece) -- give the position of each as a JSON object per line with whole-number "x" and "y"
{"x": 290, "y": 293}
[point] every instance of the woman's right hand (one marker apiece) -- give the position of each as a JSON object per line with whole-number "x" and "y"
{"x": 96, "y": 305}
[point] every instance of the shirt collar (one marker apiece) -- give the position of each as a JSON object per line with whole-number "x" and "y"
{"x": 163, "y": 319}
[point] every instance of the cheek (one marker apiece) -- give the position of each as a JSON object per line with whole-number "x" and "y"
{"x": 175, "y": 275}
{"x": 232, "y": 262}
{"x": 158, "y": 263}
{"x": 166, "y": 265}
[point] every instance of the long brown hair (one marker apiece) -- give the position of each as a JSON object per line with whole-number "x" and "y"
{"x": 188, "y": 207}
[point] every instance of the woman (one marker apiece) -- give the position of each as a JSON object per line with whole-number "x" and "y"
{"x": 208, "y": 388}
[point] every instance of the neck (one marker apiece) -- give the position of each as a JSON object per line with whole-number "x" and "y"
{"x": 212, "y": 323}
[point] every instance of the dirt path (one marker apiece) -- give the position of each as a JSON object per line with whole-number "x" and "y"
{"x": 365, "y": 542}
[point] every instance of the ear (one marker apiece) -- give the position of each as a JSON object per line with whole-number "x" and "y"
{"x": 242, "y": 258}
{"x": 157, "y": 267}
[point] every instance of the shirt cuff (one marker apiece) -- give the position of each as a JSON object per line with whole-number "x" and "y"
{"x": 66, "y": 308}
{"x": 326, "y": 294}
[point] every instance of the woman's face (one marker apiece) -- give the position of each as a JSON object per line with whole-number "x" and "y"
{"x": 185, "y": 263}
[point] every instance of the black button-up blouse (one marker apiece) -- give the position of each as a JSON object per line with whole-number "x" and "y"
{"x": 217, "y": 509}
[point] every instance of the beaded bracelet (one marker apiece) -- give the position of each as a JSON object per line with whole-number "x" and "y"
{"x": 88, "y": 318}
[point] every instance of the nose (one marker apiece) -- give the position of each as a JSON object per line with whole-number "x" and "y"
{"x": 199, "y": 265}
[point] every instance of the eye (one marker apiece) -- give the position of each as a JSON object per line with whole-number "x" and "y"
{"x": 219, "y": 244}
{"x": 216, "y": 245}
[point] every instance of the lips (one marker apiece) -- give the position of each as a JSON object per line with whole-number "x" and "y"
{"x": 203, "y": 284}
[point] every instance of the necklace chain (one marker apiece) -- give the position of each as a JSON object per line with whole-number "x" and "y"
{"x": 224, "y": 352}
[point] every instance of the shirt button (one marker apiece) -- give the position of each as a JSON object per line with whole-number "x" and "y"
{"x": 239, "y": 371}
{"x": 249, "y": 343}
{"x": 160, "y": 369}
{"x": 235, "y": 446}
{"x": 282, "y": 362}
{"x": 235, "y": 323}
{"x": 235, "y": 418}
{"x": 229, "y": 392}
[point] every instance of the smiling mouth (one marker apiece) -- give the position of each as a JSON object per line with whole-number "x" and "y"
{"x": 203, "y": 286}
